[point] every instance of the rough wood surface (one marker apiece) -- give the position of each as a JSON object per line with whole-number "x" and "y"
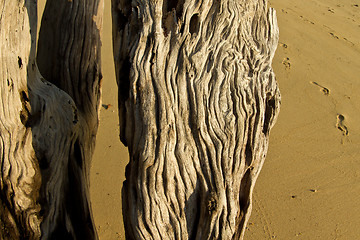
{"x": 43, "y": 184}
{"x": 197, "y": 100}
{"x": 69, "y": 57}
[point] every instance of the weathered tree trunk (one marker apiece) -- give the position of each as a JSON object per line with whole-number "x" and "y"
{"x": 197, "y": 99}
{"x": 69, "y": 57}
{"x": 46, "y": 137}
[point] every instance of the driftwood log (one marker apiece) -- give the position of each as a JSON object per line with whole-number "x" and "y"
{"x": 48, "y": 127}
{"x": 197, "y": 100}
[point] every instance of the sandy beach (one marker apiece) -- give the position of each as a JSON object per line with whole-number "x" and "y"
{"x": 309, "y": 186}
{"x": 310, "y": 183}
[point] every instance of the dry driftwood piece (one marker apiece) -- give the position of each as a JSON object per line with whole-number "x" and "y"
{"x": 69, "y": 57}
{"x": 45, "y": 143}
{"x": 197, "y": 99}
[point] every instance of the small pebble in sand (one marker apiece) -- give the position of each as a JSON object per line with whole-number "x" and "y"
{"x": 106, "y": 106}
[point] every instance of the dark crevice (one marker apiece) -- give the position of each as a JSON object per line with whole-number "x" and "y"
{"x": 124, "y": 79}
{"x": 244, "y": 201}
{"x": 171, "y": 5}
{"x": 245, "y": 190}
{"x": 179, "y": 9}
{"x": 20, "y": 62}
{"x": 210, "y": 62}
{"x": 135, "y": 25}
{"x": 257, "y": 114}
{"x": 123, "y": 95}
{"x": 149, "y": 41}
{"x": 43, "y": 162}
{"x": 182, "y": 28}
{"x": 61, "y": 232}
{"x": 251, "y": 67}
{"x": 194, "y": 25}
{"x": 195, "y": 201}
{"x": 171, "y": 14}
{"x": 75, "y": 115}
{"x": 251, "y": 72}
{"x": 10, "y": 84}
{"x": 269, "y": 112}
{"x": 248, "y": 148}
{"x": 124, "y": 6}
{"x": 24, "y": 97}
{"x": 121, "y": 21}
{"x": 251, "y": 54}
{"x": 25, "y": 110}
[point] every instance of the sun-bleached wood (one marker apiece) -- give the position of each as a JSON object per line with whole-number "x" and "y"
{"x": 197, "y": 100}
{"x": 45, "y": 145}
{"x": 69, "y": 57}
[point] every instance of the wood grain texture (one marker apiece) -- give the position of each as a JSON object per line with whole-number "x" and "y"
{"x": 69, "y": 57}
{"x": 43, "y": 137}
{"x": 197, "y": 100}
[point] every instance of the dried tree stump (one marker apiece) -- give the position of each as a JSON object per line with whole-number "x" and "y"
{"x": 48, "y": 128}
{"x": 197, "y": 100}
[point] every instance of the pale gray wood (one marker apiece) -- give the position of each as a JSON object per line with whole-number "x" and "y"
{"x": 45, "y": 142}
{"x": 197, "y": 100}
